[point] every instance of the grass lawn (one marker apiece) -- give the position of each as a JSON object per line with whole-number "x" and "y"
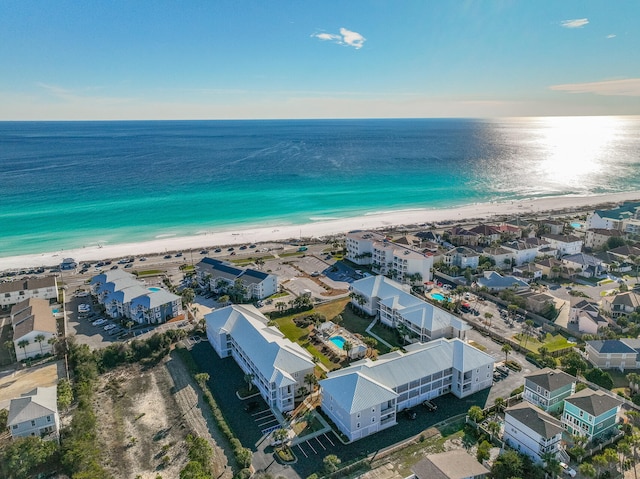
{"x": 551, "y": 342}
{"x": 387, "y": 334}
{"x": 619, "y": 378}
{"x": 150, "y": 272}
{"x": 330, "y": 310}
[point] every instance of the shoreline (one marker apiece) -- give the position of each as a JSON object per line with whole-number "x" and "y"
{"x": 483, "y": 212}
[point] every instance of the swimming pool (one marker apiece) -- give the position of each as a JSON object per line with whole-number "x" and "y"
{"x": 154, "y": 289}
{"x": 576, "y": 226}
{"x": 338, "y": 341}
{"x": 438, "y": 296}
{"x": 55, "y": 310}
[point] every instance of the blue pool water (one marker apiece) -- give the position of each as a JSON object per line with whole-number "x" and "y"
{"x": 55, "y": 311}
{"x": 153, "y": 290}
{"x": 576, "y": 225}
{"x": 438, "y": 296}
{"x": 338, "y": 341}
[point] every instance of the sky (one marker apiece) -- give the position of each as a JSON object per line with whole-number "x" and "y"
{"x": 239, "y": 59}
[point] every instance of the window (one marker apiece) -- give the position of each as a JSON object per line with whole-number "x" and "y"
{"x": 15, "y": 426}
{"x": 357, "y": 425}
{"x": 48, "y": 418}
{"x": 373, "y": 419}
{"x": 33, "y": 423}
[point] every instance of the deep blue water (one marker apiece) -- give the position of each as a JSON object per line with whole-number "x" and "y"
{"x": 68, "y": 184}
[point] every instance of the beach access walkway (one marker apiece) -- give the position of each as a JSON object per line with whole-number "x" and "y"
{"x": 373, "y": 335}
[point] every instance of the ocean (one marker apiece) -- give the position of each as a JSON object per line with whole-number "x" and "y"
{"x": 67, "y": 185}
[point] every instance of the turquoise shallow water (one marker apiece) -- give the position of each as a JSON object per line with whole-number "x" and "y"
{"x": 69, "y": 184}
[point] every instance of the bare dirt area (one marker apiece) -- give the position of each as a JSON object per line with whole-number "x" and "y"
{"x": 144, "y": 416}
{"x": 15, "y": 383}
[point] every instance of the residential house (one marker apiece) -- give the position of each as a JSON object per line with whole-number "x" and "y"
{"x": 382, "y": 297}
{"x": 34, "y": 328}
{"x": 583, "y": 264}
{"x": 622, "y": 304}
{"x": 531, "y": 431}
{"x": 564, "y": 244}
{"x": 554, "y": 227}
{"x": 586, "y": 315}
{"x": 501, "y": 257}
{"x": 590, "y": 413}
{"x": 35, "y": 414}
{"x": 487, "y": 234}
{"x": 510, "y": 232}
{"x": 551, "y": 267}
{"x": 13, "y": 292}
{"x": 548, "y": 388}
{"x": 538, "y": 302}
{"x": 522, "y": 251}
{"x": 403, "y": 262}
{"x": 462, "y": 257}
{"x": 597, "y": 238}
{"x": 454, "y": 464}
{"x": 496, "y": 282}
{"x": 626, "y": 252}
{"x": 528, "y": 272}
{"x": 68, "y": 264}
{"x": 278, "y": 366}
{"x": 214, "y": 274}
{"x": 619, "y": 354}
{"x": 365, "y": 397}
{"x": 463, "y": 237}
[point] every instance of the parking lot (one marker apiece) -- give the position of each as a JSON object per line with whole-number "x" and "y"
{"x": 317, "y": 445}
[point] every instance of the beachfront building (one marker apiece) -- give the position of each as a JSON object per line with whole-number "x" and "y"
{"x": 403, "y": 262}
{"x": 462, "y": 257}
{"x": 217, "y": 275}
{"x": 531, "y": 431}
{"x": 500, "y": 256}
{"x": 388, "y": 300}
{"x": 548, "y": 388}
{"x": 621, "y": 304}
{"x": 34, "y": 328}
{"x": 454, "y": 464}
{"x": 619, "y": 354}
{"x": 494, "y": 281}
{"x": 564, "y": 244}
{"x": 13, "y": 292}
{"x": 590, "y": 413}
{"x": 124, "y": 296}
{"x": 625, "y": 218}
{"x": 278, "y": 366}
{"x": 35, "y": 414}
{"x": 366, "y": 397}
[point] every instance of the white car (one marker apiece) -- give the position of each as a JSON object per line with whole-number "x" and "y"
{"x": 82, "y": 294}
{"x": 84, "y": 308}
{"x": 567, "y": 470}
{"x": 99, "y": 322}
{"x": 109, "y": 326}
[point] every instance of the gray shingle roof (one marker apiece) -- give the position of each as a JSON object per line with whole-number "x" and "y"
{"x": 593, "y": 402}
{"x": 610, "y": 346}
{"x": 536, "y": 419}
{"x": 551, "y": 379}
{"x": 455, "y": 464}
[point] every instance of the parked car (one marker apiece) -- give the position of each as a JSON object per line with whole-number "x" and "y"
{"x": 217, "y": 250}
{"x": 167, "y": 256}
{"x": 204, "y": 251}
{"x": 99, "y": 322}
{"x": 567, "y": 470}
{"x": 430, "y": 405}
{"x": 410, "y": 414}
{"x": 110, "y": 326}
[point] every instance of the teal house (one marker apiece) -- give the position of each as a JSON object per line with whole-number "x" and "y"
{"x": 548, "y": 389}
{"x": 590, "y": 413}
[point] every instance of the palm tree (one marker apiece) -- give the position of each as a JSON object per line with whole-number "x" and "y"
{"x": 38, "y": 339}
{"x": 187, "y": 297}
{"x": 347, "y": 347}
{"x": 129, "y": 324}
{"x": 506, "y": 349}
{"x": 488, "y": 317}
{"x": 281, "y": 306}
{"x": 499, "y": 403}
{"x": 11, "y": 348}
{"x": 248, "y": 378}
{"x": 587, "y": 469}
{"x": 52, "y": 341}
{"x": 311, "y": 380}
{"x": 551, "y": 464}
{"x": 23, "y": 343}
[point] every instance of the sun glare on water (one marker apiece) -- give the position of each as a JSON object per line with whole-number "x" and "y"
{"x": 576, "y": 149}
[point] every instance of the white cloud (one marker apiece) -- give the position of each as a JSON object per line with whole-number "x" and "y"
{"x": 345, "y": 37}
{"x": 628, "y": 87}
{"x": 611, "y": 35}
{"x": 575, "y": 23}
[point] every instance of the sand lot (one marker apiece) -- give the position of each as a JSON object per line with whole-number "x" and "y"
{"x": 13, "y": 384}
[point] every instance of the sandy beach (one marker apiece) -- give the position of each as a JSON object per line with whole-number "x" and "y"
{"x": 482, "y": 212}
